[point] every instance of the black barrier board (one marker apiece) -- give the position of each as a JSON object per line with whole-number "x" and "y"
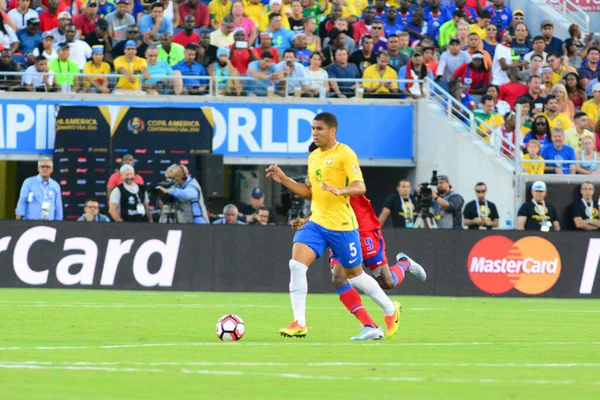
{"x": 81, "y": 157}
{"x": 255, "y": 258}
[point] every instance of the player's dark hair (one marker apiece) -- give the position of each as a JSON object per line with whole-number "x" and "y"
{"x": 585, "y": 183}
{"x": 328, "y": 119}
{"x": 403, "y": 180}
{"x": 480, "y": 184}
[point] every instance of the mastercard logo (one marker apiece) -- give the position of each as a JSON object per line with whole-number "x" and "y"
{"x": 530, "y": 265}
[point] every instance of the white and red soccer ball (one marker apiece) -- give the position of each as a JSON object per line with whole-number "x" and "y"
{"x": 230, "y": 328}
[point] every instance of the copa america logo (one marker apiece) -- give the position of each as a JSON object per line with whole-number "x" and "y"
{"x": 136, "y": 125}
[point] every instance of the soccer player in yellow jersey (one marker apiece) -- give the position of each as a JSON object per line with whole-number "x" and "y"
{"x": 333, "y": 176}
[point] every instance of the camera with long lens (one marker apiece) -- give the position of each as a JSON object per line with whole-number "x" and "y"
{"x": 167, "y": 213}
{"x": 167, "y": 184}
{"x": 423, "y": 198}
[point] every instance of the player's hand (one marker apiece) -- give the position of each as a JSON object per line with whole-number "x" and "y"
{"x": 275, "y": 173}
{"x": 298, "y": 223}
{"x": 329, "y": 188}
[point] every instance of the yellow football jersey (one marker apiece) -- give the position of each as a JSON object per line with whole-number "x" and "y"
{"x": 338, "y": 167}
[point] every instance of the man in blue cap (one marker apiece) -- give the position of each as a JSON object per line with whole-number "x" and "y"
{"x": 257, "y": 200}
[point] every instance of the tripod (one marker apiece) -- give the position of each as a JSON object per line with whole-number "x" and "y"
{"x": 425, "y": 219}
{"x": 167, "y": 215}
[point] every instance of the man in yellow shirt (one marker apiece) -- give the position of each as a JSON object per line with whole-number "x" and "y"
{"x": 574, "y": 136}
{"x": 274, "y": 8}
{"x": 130, "y": 65}
{"x": 592, "y": 107}
{"x": 218, "y": 10}
{"x": 480, "y": 27}
{"x": 333, "y": 176}
{"x": 382, "y": 71}
{"x": 488, "y": 115}
{"x": 555, "y": 118}
{"x": 96, "y": 66}
{"x": 254, "y": 9}
{"x": 559, "y": 70}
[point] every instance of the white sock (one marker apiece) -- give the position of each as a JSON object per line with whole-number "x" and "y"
{"x": 376, "y": 272}
{"x": 369, "y": 286}
{"x": 298, "y": 290}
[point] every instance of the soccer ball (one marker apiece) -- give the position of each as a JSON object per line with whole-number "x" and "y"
{"x": 230, "y": 327}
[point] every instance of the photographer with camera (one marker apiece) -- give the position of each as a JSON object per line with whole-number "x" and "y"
{"x": 447, "y": 204}
{"x": 181, "y": 197}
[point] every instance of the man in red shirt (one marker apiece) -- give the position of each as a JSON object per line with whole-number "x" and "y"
{"x": 188, "y": 35}
{"x": 115, "y": 179}
{"x": 474, "y": 76}
{"x": 86, "y": 22}
{"x": 49, "y": 18}
{"x": 364, "y": 26}
{"x": 198, "y": 10}
{"x": 514, "y": 89}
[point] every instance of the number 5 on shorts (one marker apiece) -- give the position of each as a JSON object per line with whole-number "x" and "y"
{"x": 353, "y": 250}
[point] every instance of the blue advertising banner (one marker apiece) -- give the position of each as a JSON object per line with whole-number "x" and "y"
{"x": 379, "y": 131}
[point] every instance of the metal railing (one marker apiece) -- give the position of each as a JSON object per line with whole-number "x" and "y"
{"x": 572, "y": 12}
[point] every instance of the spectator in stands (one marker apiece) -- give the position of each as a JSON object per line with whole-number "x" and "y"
{"x": 342, "y": 25}
{"x": 190, "y": 67}
{"x": 540, "y": 131}
{"x": 392, "y": 25}
{"x": 86, "y": 22}
{"x": 417, "y": 27}
{"x": 130, "y": 65}
{"x": 129, "y": 201}
{"x": 255, "y": 10}
{"x": 119, "y": 22}
{"x": 248, "y": 212}
{"x": 381, "y": 70}
{"x": 447, "y": 204}
{"x": 457, "y": 90}
{"x": 153, "y": 25}
{"x": 317, "y": 75}
{"x": 299, "y": 46}
{"x": 290, "y": 68}
{"x": 535, "y": 68}
{"x": 415, "y": 69}
{"x": 557, "y": 119}
{"x": 470, "y": 12}
{"x": 313, "y": 42}
{"x": 338, "y": 41}
{"x": 536, "y": 101}
{"x": 575, "y": 92}
{"x": 49, "y": 18}
{"x": 33, "y": 81}
{"x": 476, "y": 46}
{"x": 481, "y": 213}
{"x": 400, "y": 206}
{"x": 64, "y": 19}
{"x": 80, "y": 50}
{"x": 105, "y": 7}
{"x": 585, "y": 211}
{"x": 590, "y": 70}
{"x": 136, "y": 9}
{"x": 230, "y": 213}
{"x": 533, "y": 153}
{"x": 573, "y": 54}
{"x": 449, "y": 29}
{"x": 488, "y": 115}
{"x": 241, "y": 21}
{"x": 592, "y": 106}
{"x": 64, "y": 65}
{"x": 508, "y": 134}
{"x": 133, "y": 34}
{"x": 265, "y": 75}
{"x": 276, "y": 8}
{"x": 187, "y": 35}
{"x": 559, "y": 70}
{"x": 450, "y": 61}
{"x": 435, "y": 16}
{"x": 266, "y": 44}
{"x": 158, "y": 71}
{"x": 219, "y": 9}
{"x": 546, "y": 86}
{"x": 521, "y": 45}
{"x": 40, "y": 197}
{"x": 91, "y": 212}
{"x": 565, "y": 105}
{"x": 96, "y": 66}
{"x": 206, "y": 52}
{"x": 282, "y": 38}
{"x": 526, "y": 117}
{"x": 115, "y": 179}
{"x": 296, "y": 18}
{"x": 261, "y": 217}
{"x": 538, "y": 46}
{"x": 223, "y": 37}
{"x": 224, "y": 68}
{"x": 588, "y": 153}
{"x": 403, "y": 40}
{"x": 21, "y": 15}
{"x": 514, "y": 89}
{"x": 30, "y": 37}
{"x": 557, "y": 150}
{"x": 46, "y": 48}
{"x": 199, "y": 11}
{"x": 537, "y": 215}
{"x": 490, "y": 41}
{"x": 502, "y": 15}
{"x": 553, "y": 44}
{"x": 480, "y": 27}
{"x": 474, "y": 76}
{"x": 8, "y": 37}
{"x": 575, "y": 135}
{"x": 342, "y": 69}
{"x": 397, "y": 59}
{"x": 168, "y": 51}
{"x": 364, "y": 57}
{"x": 379, "y": 40}
{"x": 101, "y": 37}
{"x": 502, "y": 61}
{"x": 500, "y": 106}
{"x": 380, "y": 10}
{"x": 171, "y": 12}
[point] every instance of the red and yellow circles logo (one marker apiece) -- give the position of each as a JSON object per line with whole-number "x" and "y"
{"x": 531, "y": 265}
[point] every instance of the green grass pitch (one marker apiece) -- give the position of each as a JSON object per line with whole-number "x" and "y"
{"x": 77, "y": 344}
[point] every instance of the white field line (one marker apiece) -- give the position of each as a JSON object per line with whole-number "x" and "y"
{"x": 297, "y": 364}
{"x": 43, "y": 304}
{"x": 299, "y": 343}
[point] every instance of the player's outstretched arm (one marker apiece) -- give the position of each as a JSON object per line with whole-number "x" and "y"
{"x": 356, "y": 188}
{"x": 300, "y": 189}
